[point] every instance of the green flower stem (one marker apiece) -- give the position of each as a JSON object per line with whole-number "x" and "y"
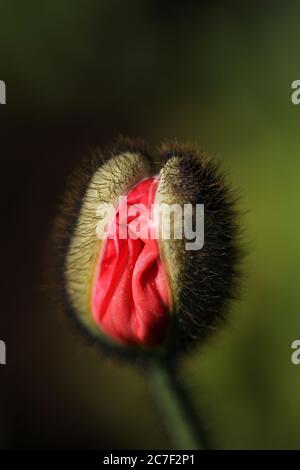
{"x": 183, "y": 426}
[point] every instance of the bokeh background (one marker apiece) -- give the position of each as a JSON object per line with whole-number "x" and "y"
{"x": 216, "y": 73}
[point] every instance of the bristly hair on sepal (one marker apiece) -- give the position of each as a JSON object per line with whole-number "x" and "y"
{"x": 209, "y": 278}
{"x": 63, "y": 231}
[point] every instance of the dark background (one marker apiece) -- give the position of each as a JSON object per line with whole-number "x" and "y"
{"x": 217, "y": 73}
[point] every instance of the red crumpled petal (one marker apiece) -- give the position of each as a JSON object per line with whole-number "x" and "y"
{"x": 130, "y": 300}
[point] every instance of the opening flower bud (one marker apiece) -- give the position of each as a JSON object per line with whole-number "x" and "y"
{"x": 130, "y": 279}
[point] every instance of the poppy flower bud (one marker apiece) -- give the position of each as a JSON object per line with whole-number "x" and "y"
{"x": 130, "y": 279}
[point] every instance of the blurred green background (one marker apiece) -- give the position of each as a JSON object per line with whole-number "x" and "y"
{"x": 216, "y": 73}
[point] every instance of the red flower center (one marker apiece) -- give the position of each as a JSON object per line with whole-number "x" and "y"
{"x": 130, "y": 300}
